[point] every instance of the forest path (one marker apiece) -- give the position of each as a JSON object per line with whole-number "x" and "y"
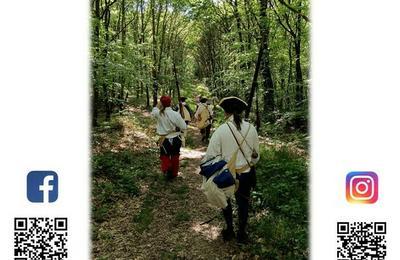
{"x": 167, "y": 215}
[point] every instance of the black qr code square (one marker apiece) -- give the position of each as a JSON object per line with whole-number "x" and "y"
{"x": 40, "y": 238}
{"x": 361, "y": 240}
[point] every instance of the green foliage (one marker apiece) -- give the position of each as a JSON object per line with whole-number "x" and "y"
{"x": 165, "y": 255}
{"x": 190, "y": 142}
{"x": 219, "y": 117}
{"x": 104, "y": 196}
{"x": 281, "y": 201}
{"x": 116, "y": 164}
{"x": 290, "y": 121}
{"x": 181, "y": 192}
{"x": 101, "y": 212}
{"x": 144, "y": 218}
{"x": 202, "y": 47}
{"x": 207, "y": 48}
{"x": 116, "y": 174}
{"x": 111, "y": 126}
{"x": 182, "y": 216}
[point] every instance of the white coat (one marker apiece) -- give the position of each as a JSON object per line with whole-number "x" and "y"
{"x": 167, "y": 122}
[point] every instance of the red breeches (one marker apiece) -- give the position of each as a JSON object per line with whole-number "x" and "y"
{"x": 169, "y": 156}
{"x": 170, "y": 163}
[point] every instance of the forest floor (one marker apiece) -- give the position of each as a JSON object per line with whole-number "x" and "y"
{"x": 163, "y": 221}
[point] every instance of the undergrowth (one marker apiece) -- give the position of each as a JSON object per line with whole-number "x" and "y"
{"x": 280, "y": 201}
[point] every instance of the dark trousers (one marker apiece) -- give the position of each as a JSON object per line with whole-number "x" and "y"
{"x": 205, "y": 132}
{"x": 169, "y": 156}
{"x": 242, "y": 195}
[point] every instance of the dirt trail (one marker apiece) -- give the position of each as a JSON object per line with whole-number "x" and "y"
{"x": 174, "y": 211}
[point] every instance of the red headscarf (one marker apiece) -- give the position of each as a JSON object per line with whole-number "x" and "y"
{"x": 165, "y": 101}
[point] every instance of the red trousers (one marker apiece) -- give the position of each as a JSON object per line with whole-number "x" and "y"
{"x": 169, "y": 156}
{"x": 170, "y": 163}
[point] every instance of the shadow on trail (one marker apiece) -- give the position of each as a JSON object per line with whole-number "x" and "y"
{"x": 160, "y": 219}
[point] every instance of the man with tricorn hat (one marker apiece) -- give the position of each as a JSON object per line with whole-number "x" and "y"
{"x": 238, "y": 137}
{"x": 169, "y": 127}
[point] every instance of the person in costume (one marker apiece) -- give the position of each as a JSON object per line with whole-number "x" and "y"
{"x": 169, "y": 127}
{"x": 184, "y": 110}
{"x": 224, "y": 142}
{"x": 186, "y": 113}
{"x": 203, "y": 118}
{"x": 210, "y": 105}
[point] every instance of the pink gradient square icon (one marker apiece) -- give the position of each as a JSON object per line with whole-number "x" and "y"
{"x": 362, "y": 187}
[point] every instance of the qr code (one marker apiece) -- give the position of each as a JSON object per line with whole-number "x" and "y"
{"x": 361, "y": 240}
{"x": 40, "y": 238}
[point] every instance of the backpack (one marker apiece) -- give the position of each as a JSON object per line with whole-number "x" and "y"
{"x": 219, "y": 177}
{"x": 204, "y": 118}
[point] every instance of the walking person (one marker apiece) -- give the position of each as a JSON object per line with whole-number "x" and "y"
{"x": 203, "y": 118}
{"x": 184, "y": 110}
{"x": 210, "y": 105}
{"x": 169, "y": 127}
{"x": 186, "y": 113}
{"x": 236, "y": 134}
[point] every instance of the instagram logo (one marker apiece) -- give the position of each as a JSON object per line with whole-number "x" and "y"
{"x": 362, "y": 187}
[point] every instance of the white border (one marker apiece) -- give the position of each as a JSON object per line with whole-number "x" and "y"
{"x": 44, "y": 111}
{"x": 355, "y": 116}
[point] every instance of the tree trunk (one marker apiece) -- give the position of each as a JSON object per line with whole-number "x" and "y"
{"x": 176, "y": 80}
{"x": 299, "y": 74}
{"x": 107, "y": 104}
{"x": 96, "y": 75}
{"x": 288, "y": 91}
{"x": 238, "y": 24}
{"x": 269, "y": 104}
{"x": 240, "y": 36}
{"x": 154, "y": 44}
{"x": 123, "y": 33}
{"x": 258, "y": 118}
{"x": 123, "y": 45}
{"x": 143, "y": 67}
{"x": 254, "y": 83}
{"x": 147, "y": 96}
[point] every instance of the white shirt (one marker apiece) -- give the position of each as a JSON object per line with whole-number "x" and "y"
{"x": 167, "y": 122}
{"x": 223, "y": 143}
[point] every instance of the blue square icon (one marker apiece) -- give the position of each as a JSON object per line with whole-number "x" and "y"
{"x": 42, "y": 186}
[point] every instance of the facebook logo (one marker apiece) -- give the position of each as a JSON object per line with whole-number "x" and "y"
{"x": 42, "y": 186}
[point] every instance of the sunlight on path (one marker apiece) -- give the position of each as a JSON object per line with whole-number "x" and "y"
{"x": 191, "y": 154}
{"x": 163, "y": 221}
{"x": 209, "y": 231}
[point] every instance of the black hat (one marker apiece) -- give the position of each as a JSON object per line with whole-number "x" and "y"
{"x": 203, "y": 100}
{"x": 233, "y": 104}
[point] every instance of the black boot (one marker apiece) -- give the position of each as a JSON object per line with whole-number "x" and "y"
{"x": 243, "y": 210}
{"x": 228, "y": 233}
{"x": 168, "y": 175}
{"x": 242, "y": 237}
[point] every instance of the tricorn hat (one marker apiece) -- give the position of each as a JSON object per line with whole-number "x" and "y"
{"x": 233, "y": 104}
{"x": 203, "y": 100}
